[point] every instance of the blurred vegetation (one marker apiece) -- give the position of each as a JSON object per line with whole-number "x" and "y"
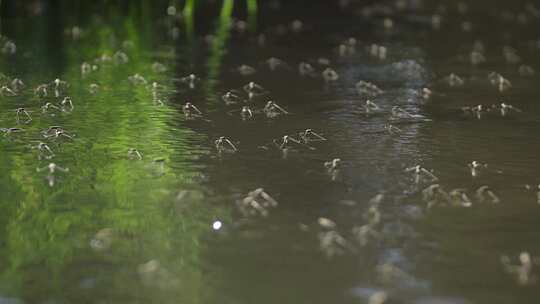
{"x": 45, "y": 232}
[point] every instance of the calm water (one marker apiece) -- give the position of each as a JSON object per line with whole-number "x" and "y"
{"x": 119, "y": 230}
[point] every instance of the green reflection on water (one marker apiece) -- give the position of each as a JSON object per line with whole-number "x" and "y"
{"x": 46, "y": 231}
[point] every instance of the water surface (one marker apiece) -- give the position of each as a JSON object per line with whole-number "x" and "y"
{"x": 120, "y": 230}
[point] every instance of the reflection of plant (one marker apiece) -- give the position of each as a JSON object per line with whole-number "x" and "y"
{"x": 46, "y": 231}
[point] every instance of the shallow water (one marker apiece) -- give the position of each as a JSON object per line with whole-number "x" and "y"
{"x": 120, "y": 230}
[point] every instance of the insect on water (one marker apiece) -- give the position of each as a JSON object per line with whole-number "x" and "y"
{"x": 223, "y": 144}
{"x": 272, "y": 110}
{"x": 22, "y": 112}
{"x": 134, "y": 154}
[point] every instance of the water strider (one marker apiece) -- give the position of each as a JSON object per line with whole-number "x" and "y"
{"x": 22, "y": 112}
{"x": 190, "y": 110}
{"x": 476, "y": 168}
{"x": 231, "y": 98}
{"x": 223, "y": 144}
{"x": 134, "y": 154}
{"x": 44, "y": 150}
{"x": 56, "y": 132}
{"x": 67, "y": 104}
{"x": 308, "y": 135}
{"x": 8, "y": 131}
{"x": 422, "y": 175}
{"x": 272, "y": 110}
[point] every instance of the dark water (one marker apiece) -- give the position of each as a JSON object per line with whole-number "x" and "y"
{"x": 120, "y": 230}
